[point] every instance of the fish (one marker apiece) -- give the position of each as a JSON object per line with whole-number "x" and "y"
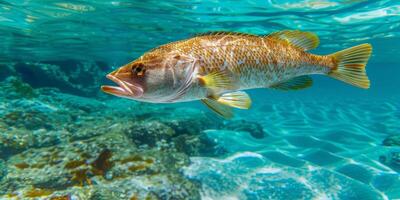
{"x": 218, "y": 67}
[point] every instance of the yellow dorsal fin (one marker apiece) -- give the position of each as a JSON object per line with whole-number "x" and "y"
{"x": 296, "y": 83}
{"x": 303, "y": 40}
{"x": 225, "y": 33}
{"x": 237, "y": 99}
{"x": 219, "y": 108}
{"x": 217, "y": 80}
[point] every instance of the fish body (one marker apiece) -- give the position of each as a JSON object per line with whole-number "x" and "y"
{"x": 215, "y": 68}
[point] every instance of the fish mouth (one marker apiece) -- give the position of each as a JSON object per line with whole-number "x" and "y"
{"x": 124, "y": 89}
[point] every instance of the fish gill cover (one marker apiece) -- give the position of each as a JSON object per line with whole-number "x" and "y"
{"x": 62, "y": 138}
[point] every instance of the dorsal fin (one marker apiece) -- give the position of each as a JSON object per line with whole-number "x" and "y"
{"x": 303, "y": 40}
{"x": 224, "y": 33}
{"x": 296, "y": 83}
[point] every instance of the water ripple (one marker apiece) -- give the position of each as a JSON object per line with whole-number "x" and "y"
{"x": 307, "y": 142}
{"x": 117, "y": 31}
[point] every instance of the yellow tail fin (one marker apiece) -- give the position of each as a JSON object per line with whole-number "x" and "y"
{"x": 350, "y": 66}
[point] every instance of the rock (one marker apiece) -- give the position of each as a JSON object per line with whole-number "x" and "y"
{"x": 3, "y": 169}
{"x": 45, "y": 138}
{"x": 253, "y": 128}
{"x": 30, "y": 114}
{"x": 392, "y": 160}
{"x": 15, "y": 140}
{"x": 189, "y": 121}
{"x": 149, "y": 133}
{"x": 85, "y": 127}
{"x": 68, "y": 76}
{"x": 392, "y": 140}
{"x": 6, "y": 70}
{"x": 59, "y": 145}
{"x": 14, "y": 88}
{"x": 181, "y": 129}
{"x": 196, "y": 145}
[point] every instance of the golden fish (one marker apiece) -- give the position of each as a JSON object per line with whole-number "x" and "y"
{"x": 216, "y": 67}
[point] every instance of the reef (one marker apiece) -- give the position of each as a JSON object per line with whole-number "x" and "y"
{"x": 56, "y": 145}
{"x": 392, "y": 140}
{"x": 392, "y": 157}
{"x": 64, "y": 140}
{"x": 80, "y": 78}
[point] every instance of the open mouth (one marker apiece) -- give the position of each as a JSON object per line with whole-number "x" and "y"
{"x": 124, "y": 89}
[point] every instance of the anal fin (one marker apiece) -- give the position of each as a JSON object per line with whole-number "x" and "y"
{"x": 219, "y": 108}
{"x": 222, "y": 105}
{"x": 297, "y": 83}
{"x": 237, "y": 99}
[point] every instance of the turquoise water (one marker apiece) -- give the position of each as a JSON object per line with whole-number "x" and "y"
{"x": 332, "y": 141}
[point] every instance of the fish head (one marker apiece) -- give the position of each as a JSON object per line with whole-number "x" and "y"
{"x": 151, "y": 78}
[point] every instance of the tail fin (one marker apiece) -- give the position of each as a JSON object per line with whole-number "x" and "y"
{"x": 350, "y": 66}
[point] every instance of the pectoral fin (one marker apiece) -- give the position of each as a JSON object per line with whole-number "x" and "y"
{"x": 237, "y": 99}
{"x": 219, "y": 108}
{"x": 217, "y": 80}
{"x": 296, "y": 83}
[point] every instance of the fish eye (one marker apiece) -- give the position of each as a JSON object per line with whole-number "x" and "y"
{"x": 138, "y": 69}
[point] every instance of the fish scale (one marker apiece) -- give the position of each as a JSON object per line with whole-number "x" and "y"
{"x": 273, "y": 56}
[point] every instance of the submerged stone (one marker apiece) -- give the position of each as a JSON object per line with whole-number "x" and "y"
{"x": 253, "y": 128}
{"x": 81, "y": 78}
{"x": 392, "y": 140}
{"x": 149, "y": 133}
{"x": 391, "y": 159}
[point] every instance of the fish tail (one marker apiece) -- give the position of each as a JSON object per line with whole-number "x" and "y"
{"x": 350, "y": 64}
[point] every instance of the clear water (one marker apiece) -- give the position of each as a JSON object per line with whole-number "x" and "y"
{"x": 323, "y": 143}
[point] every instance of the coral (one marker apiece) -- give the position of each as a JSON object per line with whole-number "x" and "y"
{"x": 65, "y": 197}
{"x": 120, "y": 168}
{"x": 133, "y": 158}
{"x": 22, "y": 165}
{"x": 80, "y": 177}
{"x": 14, "y": 141}
{"x": 74, "y": 164}
{"x": 3, "y": 169}
{"x": 134, "y": 197}
{"x": 11, "y": 195}
{"x": 59, "y": 141}
{"x": 38, "y": 165}
{"x": 135, "y": 168}
{"x": 38, "y": 192}
{"x": 149, "y": 133}
{"x": 195, "y": 145}
{"x": 102, "y": 164}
